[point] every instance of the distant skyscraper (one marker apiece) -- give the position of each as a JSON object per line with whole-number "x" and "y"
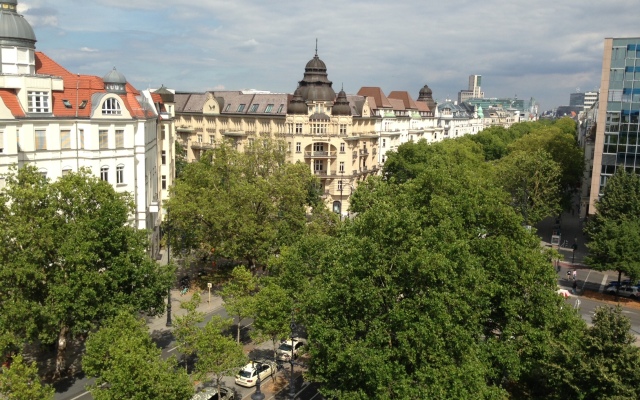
{"x": 576, "y": 99}
{"x": 474, "y": 91}
{"x": 617, "y": 129}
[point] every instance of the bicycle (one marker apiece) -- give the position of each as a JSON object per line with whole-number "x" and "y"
{"x": 565, "y": 244}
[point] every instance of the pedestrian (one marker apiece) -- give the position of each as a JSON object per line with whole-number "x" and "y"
{"x": 575, "y": 287}
{"x": 568, "y": 274}
{"x": 575, "y": 274}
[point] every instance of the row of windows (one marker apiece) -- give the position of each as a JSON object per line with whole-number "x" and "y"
{"x": 254, "y": 108}
{"x": 65, "y": 139}
{"x": 39, "y": 102}
{"x": 104, "y": 174}
{"x": 316, "y": 147}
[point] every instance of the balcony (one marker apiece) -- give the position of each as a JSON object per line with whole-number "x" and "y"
{"x": 201, "y": 145}
{"x": 364, "y": 152}
{"x": 320, "y": 154}
{"x": 320, "y": 173}
{"x": 233, "y": 132}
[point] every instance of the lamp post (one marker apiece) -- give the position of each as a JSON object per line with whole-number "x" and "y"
{"x": 258, "y": 395}
{"x": 292, "y": 382}
{"x": 169, "y": 323}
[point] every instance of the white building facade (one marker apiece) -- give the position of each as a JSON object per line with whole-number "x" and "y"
{"x": 62, "y": 122}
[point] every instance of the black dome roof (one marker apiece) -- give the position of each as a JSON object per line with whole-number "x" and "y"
{"x": 297, "y": 104}
{"x": 426, "y": 95}
{"x": 341, "y": 106}
{"x": 315, "y": 85}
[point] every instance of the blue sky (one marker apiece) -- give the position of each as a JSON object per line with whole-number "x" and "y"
{"x": 544, "y": 49}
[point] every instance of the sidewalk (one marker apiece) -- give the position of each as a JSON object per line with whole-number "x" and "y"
{"x": 571, "y": 226}
{"x": 159, "y": 323}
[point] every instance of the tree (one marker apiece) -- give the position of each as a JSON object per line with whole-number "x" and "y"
{"x": 610, "y": 363}
{"x": 128, "y": 365}
{"x": 614, "y": 230}
{"x": 186, "y": 330}
{"x": 217, "y": 354}
{"x": 412, "y": 158}
{"x": 430, "y": 293}
{"x": 238, "y": 295}
{"x": 21, "y": 382}
{"x": 245, "y": 205}
{"x": 533, "y": 180}
{"x": 564, "y": 150}
{"x": 272, "y": 314}
{"x": 69, "y": 258}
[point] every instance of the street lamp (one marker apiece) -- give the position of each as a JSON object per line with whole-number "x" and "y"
{"x": 292, "y": 383}
{"x": 169, "y": 323}
{"x": 258, "y": 395}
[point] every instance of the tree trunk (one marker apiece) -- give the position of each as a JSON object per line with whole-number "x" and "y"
{"x": 238, "y": 330}
{"x": 61, "y": 350}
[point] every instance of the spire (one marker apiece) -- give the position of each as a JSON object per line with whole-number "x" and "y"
{"x": 316, "y": 47}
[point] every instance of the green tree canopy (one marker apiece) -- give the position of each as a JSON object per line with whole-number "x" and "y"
{"x": 244, "y": 205}
{"x": 272, "y": 314}
{"x": 615, "y": 229}
{"x": 128, "y": 365}
{"x": 563, "y": 148}
{"x": 411, "y": 158}
{"x": 21, "y": 382}
{"x": 238, "y": 295}
{"x": 69, "y": 258}
{"x": 533, "y": 180}
{"x": 434, "y": 291}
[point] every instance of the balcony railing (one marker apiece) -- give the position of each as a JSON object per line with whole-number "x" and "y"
{"x": 320, "y": 173}
{"x": 201, "y": 145}
{"x": 321, "y": 154}
{"x": 364, "y": 152}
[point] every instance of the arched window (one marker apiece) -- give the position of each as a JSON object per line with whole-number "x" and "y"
{"x": 104, "y": 173}
{"x": 111, "y": 106}
{"x": 120, "y": 174}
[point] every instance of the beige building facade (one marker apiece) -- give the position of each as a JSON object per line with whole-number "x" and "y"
{"x": 335, "y": 135}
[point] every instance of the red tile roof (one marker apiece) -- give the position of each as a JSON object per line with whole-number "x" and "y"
{"x": 376, "y": 94}
{"x": 10, "y": 100}
{"x": 405, "y": 97}
{"x": 78, "y": 88}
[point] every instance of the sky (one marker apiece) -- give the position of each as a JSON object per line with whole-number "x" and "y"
{"x": 542, "y": 49}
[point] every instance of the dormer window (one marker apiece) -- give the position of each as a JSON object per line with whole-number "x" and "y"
{"x": 111, "y": 107}
{"x": 66, "y": 103}
{"x": 38, "y": 102}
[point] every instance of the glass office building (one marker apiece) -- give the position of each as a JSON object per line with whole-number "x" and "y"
{"x": 617, "y": 142}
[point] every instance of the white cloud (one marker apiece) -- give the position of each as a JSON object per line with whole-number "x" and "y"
{"x": 543, "y": 49}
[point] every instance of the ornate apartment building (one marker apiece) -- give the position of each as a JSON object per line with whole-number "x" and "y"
{"x": 335, "y": 135}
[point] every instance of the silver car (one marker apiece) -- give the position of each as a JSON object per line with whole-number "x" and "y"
{"x": 290, "y": 347}
{"x": 211, "y": 393}
{"x": 631, "y": 292}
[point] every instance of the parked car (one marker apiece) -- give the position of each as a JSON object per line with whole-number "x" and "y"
{"x": 285, "y": 349}
{"x": 626, "y": 282}
{"x": 211, "y": 393}
{"x": 248, "y": 375}
{"x": 625, "y": 291}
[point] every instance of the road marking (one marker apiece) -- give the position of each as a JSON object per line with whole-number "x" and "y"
{"x": 77, "y": 397}
{"x": 604, "y": 282}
